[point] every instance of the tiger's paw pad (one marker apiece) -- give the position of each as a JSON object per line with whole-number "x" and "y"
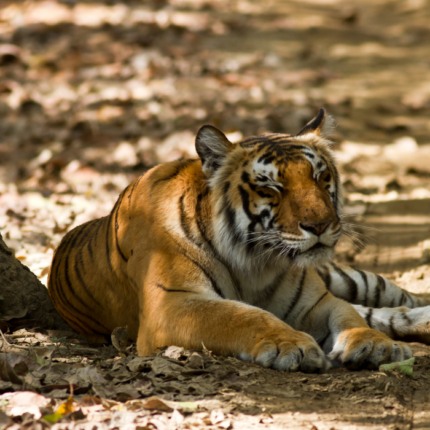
{"x": 367, "y": 348}
{"x": 290, "y": 355}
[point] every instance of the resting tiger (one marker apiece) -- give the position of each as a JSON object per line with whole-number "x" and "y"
{"x": 234, "y": 250}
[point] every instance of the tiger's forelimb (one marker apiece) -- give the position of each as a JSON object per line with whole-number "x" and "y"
{"x": 399, "y": 323}
{"x": 367, "y": 289}
{"x": 340, "y": 330}
{"x": 398, "y": 313}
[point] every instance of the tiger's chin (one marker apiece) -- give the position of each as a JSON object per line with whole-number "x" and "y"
{"x": 315, "y": 256}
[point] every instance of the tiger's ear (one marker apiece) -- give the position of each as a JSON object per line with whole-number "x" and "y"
{"x": 322, "y": 125}
{"x": 212, "y": 146}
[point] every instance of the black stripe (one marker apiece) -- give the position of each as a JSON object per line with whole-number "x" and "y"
{"x": 313, "y": 307}
{"x": 66, "y": 252}
{"x": 335, "y": 174}
{"x": 253, "y": 140}
{"x": 324, "y": 339}
{"x": 83, "y": 238}
{"x": 172, "y": 291}
{"x": 84, "y": 286}
{"x": 366, "y": 286}
{"x": 393, "y": 330}
{"x": 203, "y": 232}
{"x": 350, "y": 283}
{"x": 381, "y": 283}
{"x": 207, "y": 274}
{"x": 325, "y": 276}
{"x": 54, "y": 293}
{"x": 406, "y": 318}
{"x": 267, "y": 159}
{"x": 135, "y": 184}
{"x": 56, "y": 290}
{"x": 73, "y": 294}
{"x": 245, "y": 176}
{"x": 268, "y": 291}
{"x": 63, "y": 308}
{"x": 230, "y": 215}
{"x": 245, "y": 203}
{"x": 107, "y": 242}
{"x": 180, "y": 166}
{"x": 185, "y": 221}
{"x": 72, "y": 236}
{"x": 65, "y": 305}
{"x": 200, "y": 218}
{"x": 369, "y": 317}
{"x": 403, "y": 298}
{"x": 297, "y": 295}
{"x": 99, "y": 222}
{"x": 380, "y": 287}
{"x": 264, "y": 195}
{"x": 118, "y": 205}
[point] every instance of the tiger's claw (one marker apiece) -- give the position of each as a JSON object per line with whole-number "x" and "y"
{"x": 289, "y": 353}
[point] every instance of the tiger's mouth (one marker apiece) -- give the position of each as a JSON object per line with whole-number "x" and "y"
{"x": 317, "y": 247}
{"x": 319, "y": 250}
{"x": 314, "y": 256}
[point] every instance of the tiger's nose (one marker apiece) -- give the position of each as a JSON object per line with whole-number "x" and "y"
{"x": 316, "y": 228}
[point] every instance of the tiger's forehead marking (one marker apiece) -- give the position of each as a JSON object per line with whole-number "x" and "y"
{"x": 272, "y": 154}
{"x": 317, "y": 162}
{"x": 265, "y": 172}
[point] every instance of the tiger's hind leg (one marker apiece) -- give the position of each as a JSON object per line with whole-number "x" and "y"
{"x": 401, "y": 323}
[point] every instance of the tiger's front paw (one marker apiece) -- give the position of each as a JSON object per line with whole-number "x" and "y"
{"x": 367, "y": 348}
{"x": 288, "y": 352}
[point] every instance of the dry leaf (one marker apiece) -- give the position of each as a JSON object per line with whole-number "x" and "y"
{"x": 120, "y": 339}
{"x": 26, "y": 402}
{"x": 174, "y": 352}
{"x": 217, "y": 416}
{"x": 67, "y": 407}
{"x": 7, "y": 373}
{"x": 195, "y": 361}
{"x": 156, "y": 404}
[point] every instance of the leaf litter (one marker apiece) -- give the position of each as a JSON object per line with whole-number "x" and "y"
{"x": 177, "y": 388}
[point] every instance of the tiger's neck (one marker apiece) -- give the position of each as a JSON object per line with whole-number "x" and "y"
{"x": 210, "y": 224}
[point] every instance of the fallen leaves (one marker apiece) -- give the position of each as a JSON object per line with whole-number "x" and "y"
{"x": 174, "y": 388}
{"x": 119, "y": 339}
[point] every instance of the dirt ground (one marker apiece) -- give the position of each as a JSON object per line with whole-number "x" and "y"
{"x": 93, "y": 93}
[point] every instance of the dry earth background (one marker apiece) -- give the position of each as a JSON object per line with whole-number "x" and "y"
{"x": 94, "y": 93}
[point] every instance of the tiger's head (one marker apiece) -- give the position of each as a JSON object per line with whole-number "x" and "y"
{"x": 275, "y": 197}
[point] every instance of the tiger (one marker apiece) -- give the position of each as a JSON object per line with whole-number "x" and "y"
{"x": 233, "y": 251}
